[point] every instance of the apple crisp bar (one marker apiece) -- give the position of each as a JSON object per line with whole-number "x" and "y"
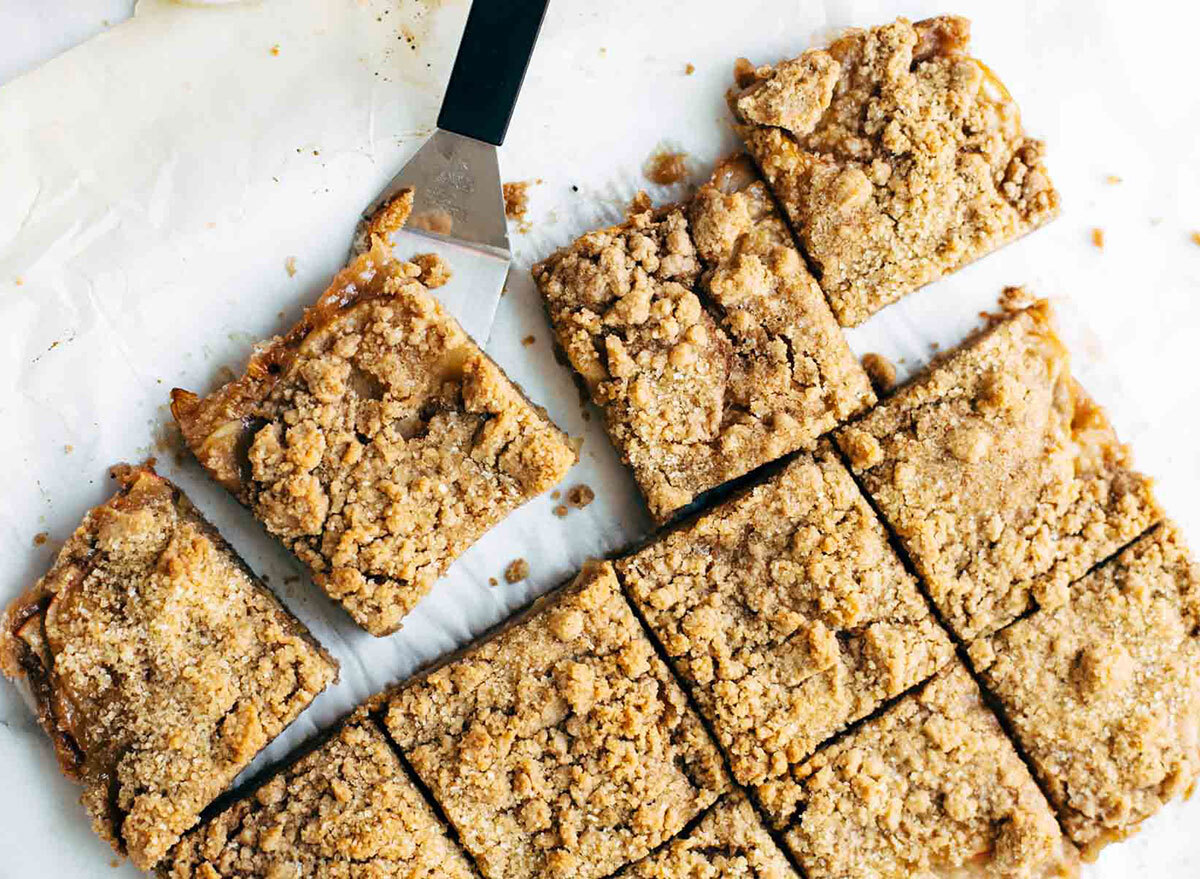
{"x": 375, "y": 439}
{"x": 1003, "y": 480}
{"x": 931, "y": 787}
{"x": 789, "y": 616}
{"x": 561, "y": 746}
{"x": 729, "y": 842}
{"x": 897, "y": 157}
{"x": 347, "y": 809}
{"x": 158, "y": 664}
{"x": 702, "y": 337}
{"x": 1103, "y": 693}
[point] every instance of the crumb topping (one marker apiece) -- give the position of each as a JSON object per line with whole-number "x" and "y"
{"x": 897, "y": 156}
{"x": 729, "y": 842}
{"x": 376, "y": 440}
{"x": 159, "y": 665}
{"x": 789, "y": 616}
{"x": 929, "y": 788}
{"x": 700, "y": 334}
{"x": 561, "y": 746}
{"x": 1104, "y": 693}
{"x": 1003, "y": 479}
{"x": 347, "y": 809}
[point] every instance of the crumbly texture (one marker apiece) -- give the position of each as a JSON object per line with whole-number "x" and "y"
{"x": 789, "y": 616}
{"x": 897, "y": 156}
{"x": 701, "y": 335}
{"x": 346, "y": 810}
{"x": 929, "y": 788}
{"x": 159, "y": 665}
{"x": 561, "y": 746}
{"x": 580, "y": 496}
{"x": 375, "y": 439}
{"x": 516, "y": 199}
{"x": 517, "y": 570}
{"x": 729, "y": 842}
{"x": 1104, "y": 693}
{"x": 1004, "y": 481}
{"x": 666, "y": 168}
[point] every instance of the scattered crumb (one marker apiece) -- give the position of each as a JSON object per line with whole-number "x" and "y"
{"x": 1098, "y": 238}
{"x": 580, "y": 496}
{"x": 289, "y": 265}
{"x": 528, "y": 340}
{"x": 1112, "y": 179}
{"x": 881, "y": 372}
{"x": 1196, "y": 238}
{"x": 1015, "y": 298}
{"x": 19, "y": 280}
{"x": 516, "y": 199}
{"x": 664, "y": 167}
{"x": 933, "y": 346}
{"x": 603, "y": 51}
{"x": 561, "y": 511}
{"x": 689, "y": 69}
{"x": 492, "y": 581}
{"x": 40, "y": 538}
{"x": 434, "y": 271}
{"x": 275, "y": 50}
{"x": 517, "y": 571}
{"x": 555, "y": 495}
{"x": 68, "y": 448}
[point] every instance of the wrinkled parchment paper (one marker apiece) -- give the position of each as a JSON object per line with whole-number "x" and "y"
{"x": 157, "y": 182}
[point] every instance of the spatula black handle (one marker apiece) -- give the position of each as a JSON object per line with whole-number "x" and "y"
{"x": 491, "y": 63}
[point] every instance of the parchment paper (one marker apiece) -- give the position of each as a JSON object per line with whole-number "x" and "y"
{"x": 156, "y": 181}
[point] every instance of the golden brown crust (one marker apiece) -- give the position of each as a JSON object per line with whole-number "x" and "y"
{"x": 929, "y": 788}
{"x": 1004, "y": 481}
{"x": 897, "y": 156}
{"x": 159, "y": 665}
{"x": 729, "y": 842}
{"x": 560, "y": 746}
{"x": 346, "y": 809}
{"x": 1104, "y": 693}
{"x": 789, "y": 616}
{"x": 700, "y": 334}
{"x": 375, "y": 439}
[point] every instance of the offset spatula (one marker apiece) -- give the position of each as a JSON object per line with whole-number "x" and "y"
{"x": 458, "y": 211}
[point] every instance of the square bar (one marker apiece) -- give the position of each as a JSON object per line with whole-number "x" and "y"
{"x": 729, "y": 842}
{"x": 346, "y": 809}
{"x": 1003, "y": 480}
{"x": 158, "y": 663}
{"x": 897, "y": 156}
{"x": 789, "y": 616}
{"x": 561, "y": 746}
{"x": 701, "y": 335}
{"x": 375, "y": 439}
{"x": 1103, "y": 693}
{"x": 932, "y": 788}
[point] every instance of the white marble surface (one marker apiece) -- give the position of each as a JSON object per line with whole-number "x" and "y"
{"x": 149, "y": 208}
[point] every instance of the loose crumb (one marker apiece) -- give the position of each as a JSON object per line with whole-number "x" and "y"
{"x": 68, "y": 448}
{"x": 580, "y": 496}
{"x": 40, "y": 538}
{"x": 1098, "y": 238}
{"x": 880, "y": 371}
{"x": 1112, "y": 179}
{"x": 665, "y": 168}
{"x": 275, "y": 50}
{"x": 528, "y": 340}
{"x": 492, "y": 581}
{"x": 289, "y": 265}
{"x": 1015, "y": 298}
{"x": 1196, "y": 238}
{"x": 516, "y": 199}
{"x": 561, "y": 511}
{"x": 555, "y": 495}
{"x": 517, "y": 571}
{"x": 19, "y": 281}
{"x": 689, "y": 69}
